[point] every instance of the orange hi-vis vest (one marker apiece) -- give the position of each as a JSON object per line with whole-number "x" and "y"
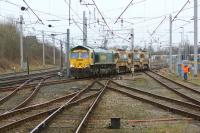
{"x": 186, "y": 69}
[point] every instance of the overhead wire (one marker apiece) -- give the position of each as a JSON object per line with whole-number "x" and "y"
{"x": 188, "y": 1}
{"x": 123, "y": 11}
{"x": 176, "y": 29}
{"x": 76, "y": 23}
{"x": 154, "y": 31}
{"x": 73, "y": 18}
{"x": 152, "y": 18}
{"x": 107, "y": 23}
{"x": 46, "y": 13}
{"x": 33, "y": 12}
{"x": 102, "y": 16}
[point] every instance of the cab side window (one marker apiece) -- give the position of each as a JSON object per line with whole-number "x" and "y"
{"x": 96, "y": 57}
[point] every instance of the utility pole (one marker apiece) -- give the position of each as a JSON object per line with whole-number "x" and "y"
{"x": 61, "y": 56}
{"x": 69, "y": 12}
{"x": 132, "y": 39}
{"x": 170, "y": 43}
{"x": 195, "y": 36}
{"x": 67, "y": 53}
{"x": 105, "y": 42}
{"x": 43, "y": 49}
{"x": 182, "y": 45}
{"x": 54, "y": 49}
{"x": 84, "y": 29}
{"x": 21, "y": 42}
{"x": 150, "y": 52}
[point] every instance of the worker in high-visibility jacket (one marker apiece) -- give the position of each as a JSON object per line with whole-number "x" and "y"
{"x": 185, "y": 71}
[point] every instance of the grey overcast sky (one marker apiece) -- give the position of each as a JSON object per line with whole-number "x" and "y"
{"x": 143, "y": 15}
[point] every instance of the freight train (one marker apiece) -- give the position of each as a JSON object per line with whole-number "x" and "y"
{"x": 86, "y": 61}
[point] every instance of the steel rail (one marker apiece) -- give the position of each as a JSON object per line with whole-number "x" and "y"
{"x": 4, "y": 99}
{"x": 26, "y": 109}
{"x": 30, "y": 97}
{"x": 182, "y": 103}
{"x": 39, "y": 72}
{"x": 189, "y": 88}
{"x": 43, "y": 124}
{"x": 94, "y": 104}
{"x": 174, "y": 90}
{"x": 18, "y": 79}
{"x": 39, "y": 115}
{"x": 14, "y": 74}
{"x": 159, "y": 105}
{"x": 47, "y": 83}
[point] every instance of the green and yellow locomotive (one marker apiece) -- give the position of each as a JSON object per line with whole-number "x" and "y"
{"x": 86, "y": 61}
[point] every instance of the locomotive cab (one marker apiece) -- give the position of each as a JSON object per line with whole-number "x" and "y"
{"x": 80, "y": 60}
{"x": 86, "y": 61}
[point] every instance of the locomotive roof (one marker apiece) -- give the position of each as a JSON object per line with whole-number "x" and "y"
{"x": 98, "y": 50}
{"x": 82, "y": 47}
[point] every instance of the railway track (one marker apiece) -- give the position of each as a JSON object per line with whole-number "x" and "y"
{"x": 15, "y": 80}
{"x": 21, "y": 116}
{"x": 19, "y": 98}
{"x": 173, "y": 105}
{"x": 2, "y": 100}
{"x": 5, "y": 77}
{"x": 70, "y": 113}
{"x": 46, "y": 83}
{"x": 190, "y": 93}
{"x": 76, "y": 116}
{"x": 186, "y": 83}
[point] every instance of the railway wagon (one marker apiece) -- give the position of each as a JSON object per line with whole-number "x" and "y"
{"x": 144, "y": 60}
{"x": 86, "y": 61}
{"x": 136, "y": 60}
{"x": 123, "y": 61}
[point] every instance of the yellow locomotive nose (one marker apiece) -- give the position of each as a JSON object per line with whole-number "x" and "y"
{"x": 80, "y": 64}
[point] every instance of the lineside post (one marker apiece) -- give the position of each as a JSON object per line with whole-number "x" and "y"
{"x": 54, "y": 49}
{"x": 61, "y": 56}
{"x": 170, "y": 43}
{"x": 21, "y": 43}
{"x": 67, "y": 53}
{"x": 84, "y": 29}
{"x": 132, "y": 39}
{"x": 195, "y": 37}
{"x": 43, "y": 49}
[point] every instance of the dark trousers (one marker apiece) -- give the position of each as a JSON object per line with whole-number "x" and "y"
{"x": 185, "y": 76}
